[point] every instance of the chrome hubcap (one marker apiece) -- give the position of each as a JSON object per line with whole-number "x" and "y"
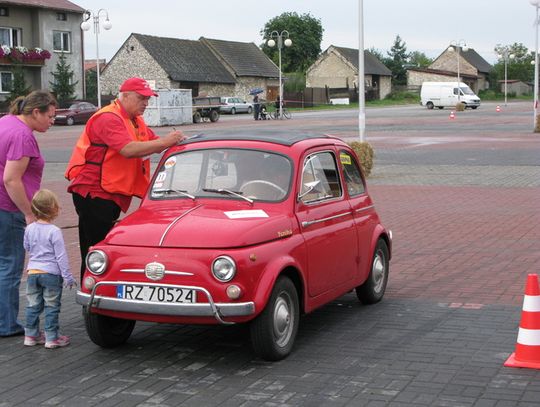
{"x": 282, "y": 320}
{"x": 378, "y": 272}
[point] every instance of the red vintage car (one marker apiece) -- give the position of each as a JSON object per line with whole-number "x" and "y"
{"x": 254, "y": 230}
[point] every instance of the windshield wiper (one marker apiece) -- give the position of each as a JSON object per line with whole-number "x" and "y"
{"x": 176, "y": 191}
{"x": 228, "y": 192}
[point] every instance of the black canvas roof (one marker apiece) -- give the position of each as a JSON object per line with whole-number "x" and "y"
{"x": 271, "y": 136}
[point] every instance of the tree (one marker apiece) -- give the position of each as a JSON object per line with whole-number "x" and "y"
{"x": 419, "y": 59}
{"x": 91, "y": 84}
{"x": 63, "y": 85}
{"x": 396, "y": 61}
{"x": 305, "y": 31}
{"x": 18, "y": 87}
{"x": 376, "y": 53}
{"x": 519, "y": 67}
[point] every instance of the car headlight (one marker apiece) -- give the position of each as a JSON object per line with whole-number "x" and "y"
{"x": 96, "y": 261}
{"x": 224, "y": 268}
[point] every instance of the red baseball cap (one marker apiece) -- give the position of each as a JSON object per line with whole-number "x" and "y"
{"x": 138, "y": 85}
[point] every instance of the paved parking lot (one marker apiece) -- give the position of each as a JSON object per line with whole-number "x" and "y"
{"x": 461, "y": 198}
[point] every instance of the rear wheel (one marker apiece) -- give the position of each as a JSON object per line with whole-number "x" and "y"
{"x": 273, "y": 332}
{"x": 430, "y": 105}
{"x": 214, "y": 115}
{"x": 70, "y": 121}
{"x": 197, "y": 117}
{"x": 250, "y": 109}
{"x": 233, "y": 110}
{"x": 374, "y": 287}
{"x": 286, "y": 114}
{"x": 108, "y": 332}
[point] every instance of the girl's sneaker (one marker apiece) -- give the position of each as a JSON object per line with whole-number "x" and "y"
{"x": 59, "y": 342}
{"x": 34, "y": 340}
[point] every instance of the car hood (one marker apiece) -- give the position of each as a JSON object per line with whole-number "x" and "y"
{"x": 200, "y": 226}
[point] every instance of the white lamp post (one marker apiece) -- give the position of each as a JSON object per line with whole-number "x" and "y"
{"x": 85, "y": 26}
{"x": 536, "y": 4}
{"x": 506, "y": 56}
{"x": 280, "y": 42}
{"x": 458, "y": 46}
{"x": 361, "y": 74}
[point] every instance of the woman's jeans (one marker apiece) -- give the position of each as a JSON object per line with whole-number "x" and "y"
{"x": 43, "y": 292}
{"x": 12, "y": 226}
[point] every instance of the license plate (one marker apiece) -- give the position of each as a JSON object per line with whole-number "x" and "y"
{"x": 156, "y": 294}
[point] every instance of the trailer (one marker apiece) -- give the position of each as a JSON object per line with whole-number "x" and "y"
{"x": 206, "y": 108}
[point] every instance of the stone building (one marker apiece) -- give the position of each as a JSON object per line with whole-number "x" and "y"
{"x": 208, "y": 67}
{"x": 473, "y": 69}
{"x": 337, "y": 67}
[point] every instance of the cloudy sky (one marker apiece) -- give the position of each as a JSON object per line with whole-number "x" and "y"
{"x": 425, "y": 25}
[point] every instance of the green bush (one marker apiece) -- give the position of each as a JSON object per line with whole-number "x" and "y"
{"x": 365, "y": 154}
{"x": 403, "y": 96}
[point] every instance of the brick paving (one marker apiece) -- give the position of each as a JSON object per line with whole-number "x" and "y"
{"x": 466, "y": 234}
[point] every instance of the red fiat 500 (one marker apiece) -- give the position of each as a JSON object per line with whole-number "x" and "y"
{"x": 240, "y": 229}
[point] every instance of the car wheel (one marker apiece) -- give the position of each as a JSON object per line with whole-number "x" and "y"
{"x": 233, "y": 110}
{"x": 107, "y": 332}
{"x": 430, "y": 105}
{"x": 70, "y": 121}
{"x": 273, "y": 332}
{"x": 197, "y": 117}
{"x": 250, "y": 109}
{"x": 473, "y": 107}
{"x": 374, "y": 287}
{"x": 440, "y": 107}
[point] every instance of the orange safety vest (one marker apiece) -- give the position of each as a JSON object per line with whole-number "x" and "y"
{"x": 118, "y": 174}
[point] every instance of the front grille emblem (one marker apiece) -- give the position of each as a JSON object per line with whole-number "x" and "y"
{"x": 154, "y": 271}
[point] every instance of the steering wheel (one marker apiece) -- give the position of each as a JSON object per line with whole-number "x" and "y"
{"x": 264, "y": 183}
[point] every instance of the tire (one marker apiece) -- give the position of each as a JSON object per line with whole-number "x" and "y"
{"x": 430, "y": 105}
{"x": 372, "y": 291}
{"x": 440, "y": 107}
{"x": 286, "y": 114}
{"x": 250, "y": 110}
{"x": 214, "y": 115}
{"x": 273, "y": 332}
{"x": 197, "y": 117}
{"x": 107, "y": 332}
{"x": 70, "y": 121}
{"x": 233, "y": 110}
{"x": 473, "y": 107}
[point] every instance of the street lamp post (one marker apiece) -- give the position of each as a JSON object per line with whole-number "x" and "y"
{"x": 280, "y": 42}
{"x": 506, "y": 56}
{"x": 536, "y": 4}
{"x": 85, "y": 26}
{"x": 458, "y": 46}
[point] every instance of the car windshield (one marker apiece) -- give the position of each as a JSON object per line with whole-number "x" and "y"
{"x": 466, "y": 90}
{"x": 224, "y": 173}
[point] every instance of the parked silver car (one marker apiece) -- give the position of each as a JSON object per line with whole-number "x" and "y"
{"x": 235, "y": 105}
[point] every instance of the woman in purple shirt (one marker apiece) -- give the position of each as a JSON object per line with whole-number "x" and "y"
{"x": 21, "y": 167}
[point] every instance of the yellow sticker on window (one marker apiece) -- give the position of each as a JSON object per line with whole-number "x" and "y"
{"x": 345, "y": 159}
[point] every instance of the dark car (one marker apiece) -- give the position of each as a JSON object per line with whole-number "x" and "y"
{"x": 78, "y": 112}
{"x": 238, "y": 229}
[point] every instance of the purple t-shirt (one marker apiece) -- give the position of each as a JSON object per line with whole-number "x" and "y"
{"x": 18, "y": 141}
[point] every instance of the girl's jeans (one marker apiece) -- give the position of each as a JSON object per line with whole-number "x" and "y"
{"x": 43, "y": 291}
{"x": 12, "y": 226}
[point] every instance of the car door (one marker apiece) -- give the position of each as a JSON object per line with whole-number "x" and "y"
{"x": 326, "y": 222}
{"x": 362, "y": 208}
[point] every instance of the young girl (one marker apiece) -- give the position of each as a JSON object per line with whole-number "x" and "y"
{"x": 47, "y": 268}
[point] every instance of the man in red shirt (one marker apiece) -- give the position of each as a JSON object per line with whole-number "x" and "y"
{"x": 107, "y": 167}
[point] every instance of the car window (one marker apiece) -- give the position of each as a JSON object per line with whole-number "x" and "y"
{"x": 256, "y": 174}
{"x": 351, "y": 172}
{"x": 320, "y": 180}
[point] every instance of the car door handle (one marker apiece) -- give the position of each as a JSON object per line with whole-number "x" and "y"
{"x": 305, "y": 224}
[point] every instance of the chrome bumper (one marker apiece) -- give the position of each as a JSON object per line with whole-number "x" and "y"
{"x": 209, "y": 309}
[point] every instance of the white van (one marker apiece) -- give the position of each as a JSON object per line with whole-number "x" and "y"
{"x": 445, "y": 94}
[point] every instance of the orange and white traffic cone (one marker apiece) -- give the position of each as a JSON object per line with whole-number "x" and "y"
{"x": 498, "y": 109}
{"x": 527, "y": 352}
{"x": 452, "y": 115}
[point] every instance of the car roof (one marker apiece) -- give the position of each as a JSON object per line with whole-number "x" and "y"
{"x": 284, "y": 139}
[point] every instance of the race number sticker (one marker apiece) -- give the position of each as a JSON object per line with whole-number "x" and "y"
{"x": 161, "y": 176}
{"x": 256, "y": 213}
{"x": 171, "y": 162}
{"x": 345, "y": 159}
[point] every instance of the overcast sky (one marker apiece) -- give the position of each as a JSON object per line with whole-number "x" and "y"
{"x": 425, "y": 25}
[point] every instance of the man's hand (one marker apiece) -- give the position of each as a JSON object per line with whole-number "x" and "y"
{"x": 173, "y": 138}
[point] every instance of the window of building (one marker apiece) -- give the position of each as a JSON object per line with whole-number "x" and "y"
{"x": 6, "y": 82}
{"x": 61, "y": 16}
{"x": 10, "y": 36}
{"x": 4, "y": 12}
{"x": 61, "y": 41}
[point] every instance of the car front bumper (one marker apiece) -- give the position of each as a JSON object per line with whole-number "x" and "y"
{"x": 209, "y": 309}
